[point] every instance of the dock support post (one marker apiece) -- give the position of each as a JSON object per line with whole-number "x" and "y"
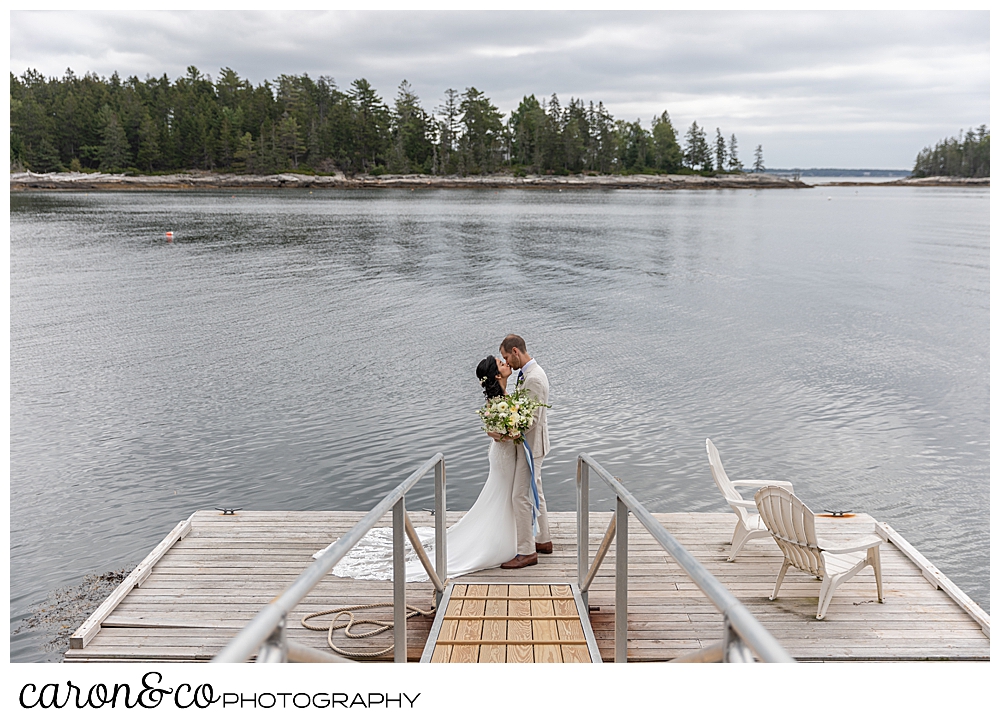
{"x": 275, "y": 648}
{"x": 621, "y": 582}
{"x": 734, "y": 650}
{"x": 583, "y": 526}
{"x": 399, "y": 580}
{"x": 440, "y": 527}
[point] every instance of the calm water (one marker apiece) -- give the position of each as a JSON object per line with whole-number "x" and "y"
{"x": 297, "y": 350}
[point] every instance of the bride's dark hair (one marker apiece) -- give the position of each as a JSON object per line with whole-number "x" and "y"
{"x": 487, "y": 372}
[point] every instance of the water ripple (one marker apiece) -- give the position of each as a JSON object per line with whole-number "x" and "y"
{"x": 306, "y": 351}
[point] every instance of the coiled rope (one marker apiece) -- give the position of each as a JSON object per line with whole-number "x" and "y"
{"x": 381, "y": 626}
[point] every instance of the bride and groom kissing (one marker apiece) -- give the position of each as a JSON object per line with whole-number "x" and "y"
{"x": 508, "y": 524}
{"x": 530, "y": 514}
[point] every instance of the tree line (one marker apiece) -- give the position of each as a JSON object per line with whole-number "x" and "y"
{"x": 296, "y": 123}
{"x": 966, "y": 155}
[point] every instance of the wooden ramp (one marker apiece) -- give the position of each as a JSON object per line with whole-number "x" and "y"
{"x": 503, "y": 623}
{"x": 215, "y": 572}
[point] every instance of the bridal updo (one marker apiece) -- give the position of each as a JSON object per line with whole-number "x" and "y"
{"x": 487, "y": 373}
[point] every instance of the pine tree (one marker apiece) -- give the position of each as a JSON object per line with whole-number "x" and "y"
{"x": 525, "y": 128}
{"x": 575, "y": 136}
{"x": 758, "y": 159}
{"x": 734, "y": 159}
{"x": 697, "y": 153}
{"x": 244, "y": 155}
{"x": 448, "y": 131}
{"x": 412, "y": 146}
{"x": 290, "y": 141}
{"x": 482, "y": 126}
{"x": 115, "y": 151}
{"x": 666, "y": 152}
{"x": 371, "y": 125}
{"x": 46, "y": 157}
{"x": 634, "y": 146}
{"x": 720, "y": 151}
{"x": 149, "y": 150}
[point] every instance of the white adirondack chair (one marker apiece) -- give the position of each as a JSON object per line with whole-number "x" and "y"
{"x": 748, "y": 524}
{"x": 793, "y": 526}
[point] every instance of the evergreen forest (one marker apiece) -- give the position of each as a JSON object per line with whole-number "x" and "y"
{"x": 297, "y": 123}
{"x": 966, "y": 155}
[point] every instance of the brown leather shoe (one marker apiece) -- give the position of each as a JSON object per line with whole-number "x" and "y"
{"x": 543, "y": 548}
{"x": 520, "y": 561}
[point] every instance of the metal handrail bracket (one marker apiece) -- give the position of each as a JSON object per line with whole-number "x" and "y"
{"x": 268, "y": 625}
{"x": 743, "y": 634}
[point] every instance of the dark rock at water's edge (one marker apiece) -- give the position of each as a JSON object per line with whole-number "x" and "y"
{"x": 66, "y": 609}
{"x": 107, "y": 181}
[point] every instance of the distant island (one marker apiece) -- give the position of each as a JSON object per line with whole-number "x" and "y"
{"x": 836, "y": 172}
{"x": 967, "y": 154}
{"x": 129, "y": 133}
{"x": 301, "y": 125}
{"x": 69, "y": 181}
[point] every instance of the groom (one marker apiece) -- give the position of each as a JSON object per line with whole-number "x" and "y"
{"x": 533, "y": 379}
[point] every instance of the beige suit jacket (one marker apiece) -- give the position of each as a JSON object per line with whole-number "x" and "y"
{"x": 537, "y": 435}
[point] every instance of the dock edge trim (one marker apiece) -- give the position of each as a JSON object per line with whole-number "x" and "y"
{"x": 935, "y": 576}
{"x": 92, "y": 625}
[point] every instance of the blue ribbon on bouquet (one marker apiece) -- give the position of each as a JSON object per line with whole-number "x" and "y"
{"x": 535, "y": 503}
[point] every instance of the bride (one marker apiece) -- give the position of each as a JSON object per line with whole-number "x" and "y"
{"x": 485, "y": 537}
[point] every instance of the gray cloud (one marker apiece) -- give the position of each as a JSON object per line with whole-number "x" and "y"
{"x": 846, "y": 89}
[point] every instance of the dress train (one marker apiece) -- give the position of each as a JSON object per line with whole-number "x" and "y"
{"x": 485, "y": 537}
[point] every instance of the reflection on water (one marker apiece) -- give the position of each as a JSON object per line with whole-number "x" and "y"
{"x": 297, "y": 350}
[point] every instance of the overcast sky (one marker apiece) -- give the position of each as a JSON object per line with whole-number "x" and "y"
{"x": 841, "y": 89}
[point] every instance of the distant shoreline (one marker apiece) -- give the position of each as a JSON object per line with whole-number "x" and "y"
{"x": 195, "y": 180}
{"x": 929, "y": 181}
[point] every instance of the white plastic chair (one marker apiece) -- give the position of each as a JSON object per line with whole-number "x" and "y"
{"x": 748, "y": 524}
{"x": 793, "y": 526}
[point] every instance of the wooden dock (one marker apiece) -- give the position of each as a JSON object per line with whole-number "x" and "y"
{"x": 215, "y": 572}
{"x": 498, "y": 623}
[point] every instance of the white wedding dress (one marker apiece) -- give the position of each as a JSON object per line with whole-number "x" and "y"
{"x": 485, "y": 537}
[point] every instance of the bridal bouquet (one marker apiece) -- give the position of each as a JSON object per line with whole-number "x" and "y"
{"x": 511, "y": 415}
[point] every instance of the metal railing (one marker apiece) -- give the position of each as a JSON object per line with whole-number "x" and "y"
{"x": 265, "y": 634}
{"x": 743, "y": 636}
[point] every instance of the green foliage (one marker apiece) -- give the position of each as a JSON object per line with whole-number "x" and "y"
{"x": 412, "y": 131}
{"x": 296, "y": 122}
{"x": 524, "y": 130}
{"x": 667, "y": 154}
{"x": 696, "y": 152}
{"x": 115, "y": 151}
{"x": 482, "y": 124}
{"x": 966, "y": 156}
{"x": 734, "y": 157}
{"x": 720, "y": 151}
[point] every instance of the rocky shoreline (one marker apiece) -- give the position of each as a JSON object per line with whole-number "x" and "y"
{"x": 929, "y": 181}
{"x": 202, "y": 179}
{"x": 108, "y": 181}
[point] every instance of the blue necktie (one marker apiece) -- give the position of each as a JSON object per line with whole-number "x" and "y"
{"x": 520, "y": 376}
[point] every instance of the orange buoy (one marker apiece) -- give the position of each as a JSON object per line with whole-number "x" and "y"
{"x": 170, "y": 234}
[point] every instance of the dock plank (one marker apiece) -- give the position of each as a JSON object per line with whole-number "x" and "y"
{"x": 495, "y": 629}
{"x": 449, "y": 628}
{"x": 469, "y": 629}
{"x": 569, "y": 629}
{"x": 519, "y": 605}
{"x": 543, "y": 630}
